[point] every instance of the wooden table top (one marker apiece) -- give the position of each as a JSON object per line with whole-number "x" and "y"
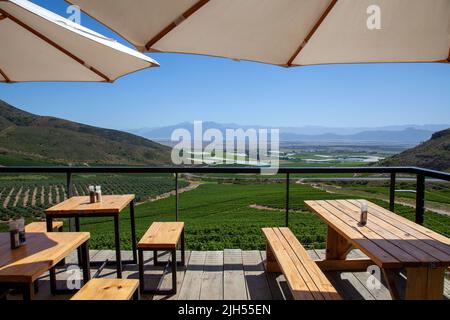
{"x": 162, "y": 235}
{"x": 390, "y": 240}
{"x": 41, "y": 252}
{"x": 81, "y": 205}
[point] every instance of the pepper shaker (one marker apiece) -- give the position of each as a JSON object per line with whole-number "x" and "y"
{"x": 14, "y": 234}
{"x": 21, "y": 227}
{"x": 92, "y": 196}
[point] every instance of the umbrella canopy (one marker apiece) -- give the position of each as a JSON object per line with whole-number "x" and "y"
{"x": 38, "y": 45}
{"x": 284, "y": 32}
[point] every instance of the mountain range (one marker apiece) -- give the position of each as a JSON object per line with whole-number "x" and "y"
{"x": 405, "y": 134}
{"x": 29, "y": 137}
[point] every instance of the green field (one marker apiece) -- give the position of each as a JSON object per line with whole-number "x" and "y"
{"x": 434, "y": 192}
{"x": 218, "y": 216}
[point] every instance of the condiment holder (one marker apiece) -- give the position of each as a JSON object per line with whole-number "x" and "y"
{"x": 95, "y": 194}
{"x": 363, "y": 217}
{"x": 17, "y": 233}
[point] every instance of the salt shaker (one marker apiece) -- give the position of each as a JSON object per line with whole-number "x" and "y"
{"x": 14, "y": 234}
{"x": 364, "y": 209}
{"x": 92, "y": 196}
{"x": 98, "y": 193}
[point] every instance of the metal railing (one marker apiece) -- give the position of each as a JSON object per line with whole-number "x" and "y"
{"x": 420, "y": 174}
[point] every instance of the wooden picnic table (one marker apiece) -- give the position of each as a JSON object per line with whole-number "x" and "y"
{"x": 111, "y": 206}
{"x": 390, "y": 241}
{"x": 21, "y": 267}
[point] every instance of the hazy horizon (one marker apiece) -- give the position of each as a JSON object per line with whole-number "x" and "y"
{"x": 189, "y": 88}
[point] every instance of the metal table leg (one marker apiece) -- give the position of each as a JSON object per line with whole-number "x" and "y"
{"x": 27, "y": 291}
{"x": 174, "y": 271}
{"x": 79, "y": 253}
{"x": 117, "y": 240}
{"x": 183, "y": 249}
{"x": 52, "y": 273}
{"x": 49, "y": 221}
{"x": 141, "y": 270}
{"x": 86, "y": 265}
{"x": 136, "y": 295}
{"x": 133, "y": 231}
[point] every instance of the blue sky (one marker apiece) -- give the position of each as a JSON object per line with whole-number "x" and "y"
{"x": 188, "y": 88}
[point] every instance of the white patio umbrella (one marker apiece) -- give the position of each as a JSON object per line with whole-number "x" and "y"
{"x": 38, "y": 45}
{"x": 284, "y": 32}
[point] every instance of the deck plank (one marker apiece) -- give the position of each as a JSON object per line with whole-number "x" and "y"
{"x": 191, "y": 286}
{"x": 234, "y": 287}
{"x": 255, "y": 277}
{"x": 212, "y": 278}
{"x": 258, "y": 284}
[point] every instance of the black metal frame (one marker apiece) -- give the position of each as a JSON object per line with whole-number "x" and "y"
{"x": 173, "y": 263}
{"x": 119, "y": 263}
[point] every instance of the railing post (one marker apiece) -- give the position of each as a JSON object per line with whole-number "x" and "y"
{"x": 69, "y": 195}
{"x": 392, "y": 193}
{"x": 420, "y": 198}
{"x": 177, "y": 217}
{"x": 69, "y": 185}
{"x": 287, "y": 201}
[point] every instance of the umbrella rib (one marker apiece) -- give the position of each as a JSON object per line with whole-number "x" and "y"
{"x": 176, "y": 23}
{"x": 312, "y": 32}
{"x": 54, "y": 44}
{"x": 5, "y": 76}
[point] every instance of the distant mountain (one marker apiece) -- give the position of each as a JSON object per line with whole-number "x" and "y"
{"x": 405, "y": 136}
{"x": 432, "y": 154}
{"x": 37, "y": 138}
{"x": 410, "y": 135}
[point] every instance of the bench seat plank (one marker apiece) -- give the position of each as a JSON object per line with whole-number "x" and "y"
{"x": 162, "y": 235}
{"x": 306, "y": 281}
{"x": 107, "y": 289}
{"x": 42, "y": 226}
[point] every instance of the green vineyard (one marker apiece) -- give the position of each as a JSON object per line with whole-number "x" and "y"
{"x": 30, "y": 197}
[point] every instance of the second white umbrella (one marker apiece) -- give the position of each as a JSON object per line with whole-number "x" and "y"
{"x": 38, "y": 45}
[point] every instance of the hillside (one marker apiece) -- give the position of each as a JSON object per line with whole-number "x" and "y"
{"x": 432, "y": 154}
{"x": 38, "y": 139}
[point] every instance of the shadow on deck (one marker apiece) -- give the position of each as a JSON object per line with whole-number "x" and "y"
{"x": 229, "y": 274}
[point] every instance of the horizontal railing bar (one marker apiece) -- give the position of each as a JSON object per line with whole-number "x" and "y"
{"x": 231, "y": 170}
{"x": 432, "y": 173}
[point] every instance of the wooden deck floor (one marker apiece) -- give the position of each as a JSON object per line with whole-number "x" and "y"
{"x": 228, "y": 274}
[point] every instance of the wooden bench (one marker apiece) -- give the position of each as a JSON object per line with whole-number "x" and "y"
{"x": 162, "y": 236}
{"x": 109, "y": 289}
{"x": 42, "y": 226}
{"x": 285, "y": 254}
